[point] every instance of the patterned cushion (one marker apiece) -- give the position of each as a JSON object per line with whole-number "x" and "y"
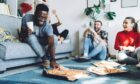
{"x": 6, "y": 36}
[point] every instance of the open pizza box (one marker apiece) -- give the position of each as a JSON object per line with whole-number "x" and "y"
{"x": 107, "y": 67}
{"x": 65, "y": 74}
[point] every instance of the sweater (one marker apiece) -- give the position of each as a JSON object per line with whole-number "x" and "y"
{"x": 125, "y": 38}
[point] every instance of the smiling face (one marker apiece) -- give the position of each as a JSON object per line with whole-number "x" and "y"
{"x": 41, "y": 18}
{"x": 128, "y": 25}
{"x": 97, "y": 26}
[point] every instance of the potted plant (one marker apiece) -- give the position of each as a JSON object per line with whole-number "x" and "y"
{"x": 95, "y": 10}
{"x": 110, "y": 15}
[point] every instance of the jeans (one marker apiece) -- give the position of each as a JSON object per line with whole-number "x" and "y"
{"x": 95, "y": 50}
{"x": 38, "y": 48}
{"x": 129, "y": 57}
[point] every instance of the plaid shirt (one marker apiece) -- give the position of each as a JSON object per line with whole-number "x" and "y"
{"x": 103, "y": 34}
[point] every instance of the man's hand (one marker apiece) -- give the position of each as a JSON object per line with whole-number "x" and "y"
{"x": 54, "y": 65}
{"x": 92, "y": 30}
{"x": 29, "y": 31}
{"x": 54, "y": 12}
{"x": 130, "y": 48}
{"x": 86, "y": 32}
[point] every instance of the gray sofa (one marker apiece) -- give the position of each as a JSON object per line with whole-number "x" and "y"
{"x": 14, "y": 54}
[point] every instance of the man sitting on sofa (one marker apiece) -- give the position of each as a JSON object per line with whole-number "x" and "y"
{"x": 39, "y": 35}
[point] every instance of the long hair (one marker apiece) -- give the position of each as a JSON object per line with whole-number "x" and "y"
{"x": 135, "y": 27}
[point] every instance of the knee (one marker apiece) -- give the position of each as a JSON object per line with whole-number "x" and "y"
{"x": 66, "y": 31}
{"x": 121, "y": 56}
{"x": 103, "y": 44}
{"x": 103, "y": 57}
{"x": 138, "y": 55}
{"x": 31, "y": 37}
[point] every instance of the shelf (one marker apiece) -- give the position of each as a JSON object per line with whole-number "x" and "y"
{"x": 14, "y": 6}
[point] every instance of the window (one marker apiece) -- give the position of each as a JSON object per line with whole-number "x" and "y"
{"x": 129, "y": 3}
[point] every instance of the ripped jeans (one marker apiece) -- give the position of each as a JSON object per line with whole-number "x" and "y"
{"x": 95, "y": 50}
{"x": 39, "y": 49}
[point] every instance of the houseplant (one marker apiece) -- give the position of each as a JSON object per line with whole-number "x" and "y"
{"x": 94, "y": 11}
{"x": 110, "y": 15}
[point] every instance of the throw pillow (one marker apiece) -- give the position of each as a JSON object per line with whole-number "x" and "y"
{"x": 6, "y": 36}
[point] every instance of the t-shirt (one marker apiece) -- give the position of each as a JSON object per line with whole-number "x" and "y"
{"x": 41, "y": 32}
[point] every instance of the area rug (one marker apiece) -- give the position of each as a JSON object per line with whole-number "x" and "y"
{"x": 35, "y": 76}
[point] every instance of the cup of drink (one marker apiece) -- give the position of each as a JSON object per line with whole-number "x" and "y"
{"x": 30, "y": 25}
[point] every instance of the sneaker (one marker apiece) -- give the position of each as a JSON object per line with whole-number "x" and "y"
{"x": 85, "y": 57}
{"x": 138, "y": 65}
{"x": 45, "y": 64}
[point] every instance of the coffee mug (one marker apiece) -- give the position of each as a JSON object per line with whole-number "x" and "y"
{"x": 30, "y": 25}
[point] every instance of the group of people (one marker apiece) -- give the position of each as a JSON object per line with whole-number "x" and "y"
{"x": 42, "y": 37}
{"x": 127, "y": 42}
{"x": 42, "y": 41}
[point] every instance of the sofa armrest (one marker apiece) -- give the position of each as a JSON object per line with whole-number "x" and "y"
{"x": 13, "y": 50}
{"x": 65, "y": 46}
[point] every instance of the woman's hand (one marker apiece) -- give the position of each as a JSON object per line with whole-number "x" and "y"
{"x": 54, "y": 12}
{"x": 130, "y": 48}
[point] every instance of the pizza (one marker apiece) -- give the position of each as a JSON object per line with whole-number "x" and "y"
{"x": 105, "y": 70}
{"x": 69, "y": 72}
{"x": 106, "y": 64}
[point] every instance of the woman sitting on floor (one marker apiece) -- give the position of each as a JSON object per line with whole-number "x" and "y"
{"x": 127, "y": 42}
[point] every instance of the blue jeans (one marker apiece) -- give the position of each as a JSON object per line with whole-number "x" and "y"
{"x": 39, "y": 49}
{"x": 95, "y": 50}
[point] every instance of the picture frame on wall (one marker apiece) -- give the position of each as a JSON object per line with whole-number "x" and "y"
{"x": 91, "y": 3}
{"x": 129, "y": 3}
{"x": 113, "y": 0}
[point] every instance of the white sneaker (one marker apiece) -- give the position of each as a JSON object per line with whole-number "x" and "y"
{"x": 138, "y": 65}
{"x": 85, "y": 57}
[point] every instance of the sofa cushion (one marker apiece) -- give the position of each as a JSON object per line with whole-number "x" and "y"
{"x": 65, "y": 47}
{"x": 13, "y": 50}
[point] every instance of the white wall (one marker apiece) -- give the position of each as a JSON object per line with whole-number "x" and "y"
{"x": 71, "y": 13}
{"x": 72, "y": 17}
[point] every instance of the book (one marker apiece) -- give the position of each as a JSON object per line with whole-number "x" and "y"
{"x": 4, "y": 9}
